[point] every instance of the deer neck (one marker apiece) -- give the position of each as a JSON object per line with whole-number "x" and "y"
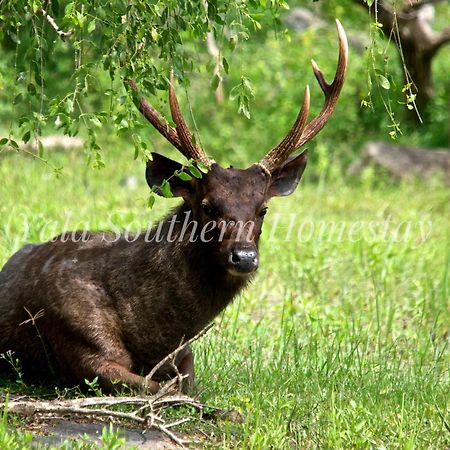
{"x": 194, "y": 260}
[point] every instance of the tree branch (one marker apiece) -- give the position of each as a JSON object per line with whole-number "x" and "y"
{"x": 383, "y": 13}
{"x": 442, "y": 38}
{"x": 51, "y": 21}
{"x": 417, "y": 5}
{"x": 214, "y": 51}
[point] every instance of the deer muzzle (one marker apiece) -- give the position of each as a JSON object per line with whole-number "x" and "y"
{"x": 243, "y": 260}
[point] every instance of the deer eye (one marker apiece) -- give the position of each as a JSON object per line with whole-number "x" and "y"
{"x": 209, "y": 210}
{"x": 263, "y": 212}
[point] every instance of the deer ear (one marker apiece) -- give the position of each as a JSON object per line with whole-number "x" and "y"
{"x": 286, "y": 178}
{"x": 161, "y": 168}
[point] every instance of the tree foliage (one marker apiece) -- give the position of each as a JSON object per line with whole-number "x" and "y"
{"x": 63, "y": 64}
{"x": 97, "y": 43}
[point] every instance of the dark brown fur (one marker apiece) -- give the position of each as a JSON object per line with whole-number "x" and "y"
{"x": 113, "y": 310}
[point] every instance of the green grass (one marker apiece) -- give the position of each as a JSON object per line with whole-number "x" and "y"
{"x": 339, "y": 343}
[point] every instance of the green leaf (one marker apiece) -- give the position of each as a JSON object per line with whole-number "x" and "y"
{"x": 68, "y": 9}
{"x": 165, "y": 189}
{"x": 17, "y": 98}
{"x": 81, "y": 19}
{"x": 384, "y": 82}
{"x": 225, "y": 65}
{"x": 234, "y": 93}
{"x": 151, "y": 201}
{"x": 215, "y": 81}
{"x": 40, "y": 149}
{"x": 14, "y": 144}
{"x": 95, "y": 121}
{"x": 243, "y": 108}
{"x": 74, "y": 127}
{"x": 31, "y": 89}
{"x": 195, "y": 172}
{"x": 232, "y": 42}
{"x": 202, "y": 167}
{"x": 183, "y": 176}
{"x": 91, "y": 26}
{"x": 154, "y": 34}
{"x": 68, "y": 106}
{"x": 3, "y": 141}
{"x": 248, "y": 87}
{"x": 26, "y": 137}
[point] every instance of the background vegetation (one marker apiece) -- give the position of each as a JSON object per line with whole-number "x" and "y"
{"x": 338, "y": 343}
{"x": 75, "y": 85}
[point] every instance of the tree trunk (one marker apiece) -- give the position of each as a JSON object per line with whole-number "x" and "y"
{"x": 417, "y": 43}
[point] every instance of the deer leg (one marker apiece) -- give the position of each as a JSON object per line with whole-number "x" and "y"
{"x": 185, "y": 365}
{"x": 110, "y": 373}
{"x": 112, "y": 368}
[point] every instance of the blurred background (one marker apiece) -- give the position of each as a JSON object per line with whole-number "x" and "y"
{"x": 261, "y": 69}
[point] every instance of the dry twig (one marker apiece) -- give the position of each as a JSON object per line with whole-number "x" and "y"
{"x": 171, "y": 356}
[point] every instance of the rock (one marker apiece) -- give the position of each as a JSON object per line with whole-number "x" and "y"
{"x": 300, "y": 19}
{"x": 129, "y": 181}
{"x": 52, "y": 142}
{"x": 403, "y": 162}
{"x": 58, "y": 142}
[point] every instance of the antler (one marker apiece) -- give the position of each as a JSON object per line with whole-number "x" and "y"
{"x": 280, "y": 153}
{"x": 181, "y": 137}
{"x": 194, "y": 151}
{"x": 300, "y": 134}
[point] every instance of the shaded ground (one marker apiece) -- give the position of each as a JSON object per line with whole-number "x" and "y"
{"x": 65, "y": 430}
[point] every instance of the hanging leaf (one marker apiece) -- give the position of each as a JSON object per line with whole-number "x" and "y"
{"x": 195, "y": 172}
{"x": 151, "y": 201}
{"x": 183, "y": 176}
{"x": 384, "y": 82}
{"x": 165, "y": 189}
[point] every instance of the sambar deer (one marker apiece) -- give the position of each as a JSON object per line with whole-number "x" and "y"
{"x": 113, "y": 309}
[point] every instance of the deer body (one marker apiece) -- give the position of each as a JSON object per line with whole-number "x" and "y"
{"x": 96, "y": 305}
{"x": 130, "y": 302}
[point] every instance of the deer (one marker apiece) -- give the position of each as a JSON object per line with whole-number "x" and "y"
{"x": 111, "y": 310}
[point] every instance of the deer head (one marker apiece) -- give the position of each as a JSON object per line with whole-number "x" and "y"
{"x": 233, "y": 198}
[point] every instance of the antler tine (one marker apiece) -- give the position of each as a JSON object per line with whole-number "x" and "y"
{"x": 282, "y": 151}
{"x": 189, "y": 149}
{"x": 331, "y": 91}
{"x": 300, "y": 134}
{"x": 153, "y": 116}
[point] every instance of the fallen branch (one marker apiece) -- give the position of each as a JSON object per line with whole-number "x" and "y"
{"x": 100, "y": 408}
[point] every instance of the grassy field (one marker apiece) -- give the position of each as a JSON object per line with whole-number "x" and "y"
{"x": 341, "y": 341}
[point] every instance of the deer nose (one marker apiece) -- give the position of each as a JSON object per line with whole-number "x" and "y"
{"x": 243, "y": 260}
